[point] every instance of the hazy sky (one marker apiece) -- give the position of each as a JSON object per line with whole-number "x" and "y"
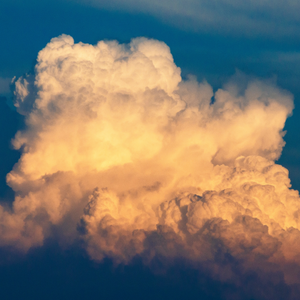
{"x": 139, "y": 130}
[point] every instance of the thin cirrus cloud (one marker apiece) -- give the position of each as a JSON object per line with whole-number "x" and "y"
{"x": 123, "y": 154}
{"x": 246, "y": 18}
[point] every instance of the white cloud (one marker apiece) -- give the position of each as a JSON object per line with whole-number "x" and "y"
{"x": 121, "y": 152}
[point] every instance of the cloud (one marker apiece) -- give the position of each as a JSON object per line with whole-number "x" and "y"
{"x": 4, "y": 85}
{"x": 121, "y": 153}
{"x": 246, "y": 18}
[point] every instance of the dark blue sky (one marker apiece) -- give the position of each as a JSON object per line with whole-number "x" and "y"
{"x": 207, "y": 51}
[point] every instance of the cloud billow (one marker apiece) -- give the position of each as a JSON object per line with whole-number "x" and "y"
{"x": 121, "y": 153}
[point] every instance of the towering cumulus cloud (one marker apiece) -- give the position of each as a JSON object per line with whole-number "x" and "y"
{"x": 121, "y": 153}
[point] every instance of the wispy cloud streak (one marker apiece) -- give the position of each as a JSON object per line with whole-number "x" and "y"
{"x": 248, "y": 18}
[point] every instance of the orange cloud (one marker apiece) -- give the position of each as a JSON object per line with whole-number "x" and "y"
{"x": 122, "y": 153}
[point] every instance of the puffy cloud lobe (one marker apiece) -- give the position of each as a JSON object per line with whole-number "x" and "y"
{"x": 103, "y": 82}
{"x": 121, "y": 152}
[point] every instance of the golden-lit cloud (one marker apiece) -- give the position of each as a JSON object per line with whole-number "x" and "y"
{"x": 123, "y": 154}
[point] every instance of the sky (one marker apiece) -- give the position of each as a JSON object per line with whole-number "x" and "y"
{"x": 149, "y": 149}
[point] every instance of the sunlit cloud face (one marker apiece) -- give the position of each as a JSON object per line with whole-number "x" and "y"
{"x": 124, "y": 155}
{"x": 247, "y": 18}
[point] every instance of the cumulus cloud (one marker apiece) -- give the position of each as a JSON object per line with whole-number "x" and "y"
{"x": 250, "y": 18}
{"x": 121, "y": 153}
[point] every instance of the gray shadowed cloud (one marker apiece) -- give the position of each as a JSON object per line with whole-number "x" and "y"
{"x": 4, "y": 85}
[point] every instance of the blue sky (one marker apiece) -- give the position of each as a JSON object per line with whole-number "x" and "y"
{"x": 209, "y": 39}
